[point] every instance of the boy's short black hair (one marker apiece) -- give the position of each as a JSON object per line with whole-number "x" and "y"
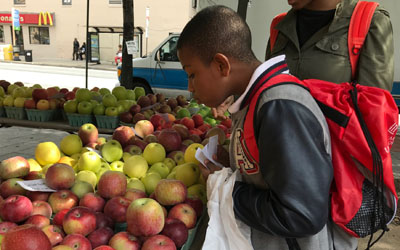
{"x": 217, "y": 29}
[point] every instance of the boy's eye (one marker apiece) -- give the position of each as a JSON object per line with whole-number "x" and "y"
{"x": 191, "y": 76}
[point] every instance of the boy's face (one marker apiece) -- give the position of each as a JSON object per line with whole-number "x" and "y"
{"x": 206, "y": 82}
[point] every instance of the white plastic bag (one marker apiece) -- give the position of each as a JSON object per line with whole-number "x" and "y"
{"x": 224, "y": 232}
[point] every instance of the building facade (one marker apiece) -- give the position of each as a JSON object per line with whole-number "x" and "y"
{"x": 48, "y": 27}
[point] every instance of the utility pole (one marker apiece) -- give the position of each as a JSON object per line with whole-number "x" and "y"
{"x": 126, "y": 70}
{"x": 87, "y": 44}
{"x": 242, "y": 8}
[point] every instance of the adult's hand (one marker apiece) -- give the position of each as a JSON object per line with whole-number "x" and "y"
{"x": 219, "y": 112}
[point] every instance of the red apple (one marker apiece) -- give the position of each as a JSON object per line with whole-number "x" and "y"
{"x": 185, "y": 213}
{"x": 143, "y": 128}
{"x": 62, "y": 199}
{"x": 157, "y": 120}
{"x": 176, "y": 230}
{"x": 188, "y": 122}
{"x": 11, "y": 187}
{"x": 140, "y": 212}
{"x": 14, "y": 167}
{"x": 198, "y": 120}
{"x": 60, "y": 176}
{"x": 112, "y": 184}
{"x": 198, "y": 132}
{"x": 103, "y": 220}
{"x": 170, "y": 139}
{"x": 38, "y": 220}
{"x": 77, "y": 242}
{"x": 37, "y": 196}
{"x": 100, "y": 236}
{"x": 205, "y": 127}
{"x": 170, "y": 192}
{"x": 79, "y": 220}
{"x": 59, "y": 217}
{"x": 196, "y": 203}
{"x": 144, "y": 101}
{"x": 104, "y": 247}
{"x": 126, "y": 117}
{"x": 124, "y": 240}
{"x": 33, "y": 175}
{"x": 54, "y": 233}
{"x": 138, "y": 142}
{"x": 159, "y": 242}
{"x": 195, "y": 137}
{"x": 39, "y": 94}
{"x": 69, "y": 95}
{"x": 138, "y": 117}
{"x": 51, "y": 91}
{"x": 134, "y": 194}
{"x": 92, "y": 201}
{"x": 29, "y": 104}
{"x": 15, "y": 208}
{"x": 63, "y": 90}
{"x": 182, "y": 130}
{"x": 133, "y": 149}
{"x": 172, "y": 103}
{"x": 42, "y": 207}
{"x": 227, "y": 122}
{"x": 27, "y": 237}
{"x": 88, "y": 133}
{"x": 5, "y": 226}
{"x": 134, "y": 109}
{"x": 116, "y": 208}
{"x": 123, "y": 134}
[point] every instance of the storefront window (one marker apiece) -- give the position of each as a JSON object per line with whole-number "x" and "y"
{"x": 66, "y": 2}
{"x": 19, "y": 1}
{"x": 115, "y": 1}
{"x": 1, "y": 34}
{"x": 39, "y": 35}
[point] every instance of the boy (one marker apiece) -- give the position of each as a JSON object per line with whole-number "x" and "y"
{"x": 284, "y": 197}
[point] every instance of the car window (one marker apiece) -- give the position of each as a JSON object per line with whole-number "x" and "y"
{"x": 168, "y": 51}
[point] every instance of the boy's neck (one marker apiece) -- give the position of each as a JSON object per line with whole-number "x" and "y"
{"x": 244, "y": 72}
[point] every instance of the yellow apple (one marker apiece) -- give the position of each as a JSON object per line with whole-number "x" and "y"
{"x": 88, "y": 176}
{"x": 154, "y": 152}
{"x": 188, "y": 173}
{"x": 71, "y": 144}
{"x": 136, "y": 166}
{"x": 150, "y": 181}
{"x": 34, "y": 165}
{"x": 117, "y": 166}
{"x": 136, "y": 183}
{"x": 89, "y": 161}
{"x": 160, "y": 168}
{"x": 190, "y": 152}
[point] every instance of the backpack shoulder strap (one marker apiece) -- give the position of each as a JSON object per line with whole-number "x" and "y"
{"x": 358, "y": 29}
{"x": 273, "y": 31}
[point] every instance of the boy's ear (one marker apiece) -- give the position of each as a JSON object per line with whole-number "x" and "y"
{"x": 223, "y": 64}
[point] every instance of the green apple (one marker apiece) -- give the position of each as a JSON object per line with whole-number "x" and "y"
{"x": 210, "y": 121}
{"x": 188, "y": 173}
{"x": 94, "y": 102}
{"x": 112, "y": 151}
{"x": 172, "y": 175}
{"x": 136, "y": 183}
{"x": 87, "y": 176}
{"x": 170, "y": 163}
{"x": 89, "y": 161}
{"x": 117, "y": 166}
{"x": 83, "y": 94}
{"x": 111, "y": 111}
{"x": 160, "y": 168}
{"x": 71, "y": 106}
{"x": 18, "y": 92}
{"x": 99, "y": 109}
{"x": 154, "y": 152}
{"x": 11, "y": 88}
{"x": 80, "y": 188}
{"x": 28, "y": 92}
{"x": 19, "y": 102}
{"x": 126, "y": 104}
{"x": 199, "y": 191}
{"x": 104, "y": 91}
{"x": 136, "y": 166}
{"x": 119, "y": 92}
{"x": 130, "y": 94}
{"x": 85, "y": 107}
{"x": 139, "y": 91}
{"x": 95, "y": 95}
{"x": 120, "y": 108}
{"x": 71, "y": 144}
{"x": 183, "y": 112}
{"x": 150, "y": 181}
{"x": 8, "y": 101}
{"x": 2, "y": 92}
{"x": 101, "y": 172}
{"x": 109, "y": 100}
{"x": 125, "y": 156}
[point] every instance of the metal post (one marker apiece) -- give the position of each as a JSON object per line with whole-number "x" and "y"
{"x": 87, "y": 43}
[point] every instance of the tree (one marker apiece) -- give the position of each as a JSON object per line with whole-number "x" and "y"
{"x": 242, "y": 8}
{"x": 126, "y": 70}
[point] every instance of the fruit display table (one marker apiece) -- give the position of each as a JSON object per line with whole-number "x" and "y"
{"x": 59, "y": 125}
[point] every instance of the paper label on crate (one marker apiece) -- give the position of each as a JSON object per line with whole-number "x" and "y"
{"x": 208, "y": 151}
{"x": 38, "y": 185}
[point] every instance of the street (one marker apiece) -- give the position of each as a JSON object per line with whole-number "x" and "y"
{"x": 63, "y": 77}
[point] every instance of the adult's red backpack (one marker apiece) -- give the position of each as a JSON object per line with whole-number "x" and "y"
{"x": 363, "y": 122}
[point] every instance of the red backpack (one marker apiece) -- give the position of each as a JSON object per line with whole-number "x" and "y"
{"x": 363, "y": 122}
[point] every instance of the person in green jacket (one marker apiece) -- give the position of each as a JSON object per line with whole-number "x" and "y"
{"x": 313, "y": 36}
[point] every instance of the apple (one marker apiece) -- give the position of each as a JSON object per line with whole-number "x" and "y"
{"x": 79, "y": 220}
{"x": 136, "y": 184}
{"x": 126, "y": 117}
{"x": 109, "y": 100}
{"x": 11, "y": 187}
{"x": 159, "y": 242}
{"x": 112, "y": 184}
{"x": 138, "y": 215}
{"x": 170, "y": 139}
{"x": 169, "y": 163}
{"x": 36, "y": 196}
{"x": 99, "y": 109}
{"x": 59, "y": 217}
{"x": 182, "y": 130}
{"x": 170, "y": 192}
{"x": 43, "y": 104}
{"x": 80, "y": 188}
{"x": 119, "y": 92}
{"x": 144, "y": 101}
{"x": 13, "y": 167}
{"x": 103, "y": 220}
{"x": 54, "y": 233}
{"x": 77, "y": 242}
{"x": 38, "y": 220}
{"x": 39, "y": 94}
{"x": 185, "y": 213}
{"x": 188, "y": 122}
{"x": 29, "y": 104}
{"x": 54, "y": 103}
{"x": 150, "y": 138}
{"x": 138, "y": 117}
{"x": 116, "y": 208}
{"x": 89, "y": 161}
{"x": 138, "y": 142}
{"x": 42, "y": 208}
{"x": 134, "y": 194}
{"x": 134, "y": 109}
{"x": 112, "y": 151}
{"x": 5, "y": 226}
{"x": 71, "y": 106}
{"x": 123, "y": 241}
{"x": 88, "y": 133}
{"x": 177, "y": 156}
{"x": 27, "y": 237}
{"x": 188, "y": 173}
{"x": 70, "y": 96}
{"x": 157, "y": 120}
{"x": 176, "y": 230}
{"x": 117, "y": 166}
{"x": 19, "y": 102}
{"x": 83, "y": 94}
{"x": 104, "y": 91}
{"x": 71, "y": 144}
{"x": 16, "y": 208}
{"x": 87, "y": 176}
{"x": 150, "y": 181}
{"x": 60, "y": 176}
{"x": 62, "y": 199}
{"x": 100, "y": 236}
{"x": 133, "y": 149}
{"x": 190, "y": 153}
{"x": 160, "y": 168}
{"x": 143, "y": 128}
{"x": 136, "y": 166}
{"x": 154, "y": 152}
{"x": 92, "y": 201}
{"x": 123, "y": 134}
{"x": 85, "y": 107}
{"x": 198, "y": 120}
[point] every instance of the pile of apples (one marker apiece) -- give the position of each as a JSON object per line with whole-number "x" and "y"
{"x": 155, "y": 187}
